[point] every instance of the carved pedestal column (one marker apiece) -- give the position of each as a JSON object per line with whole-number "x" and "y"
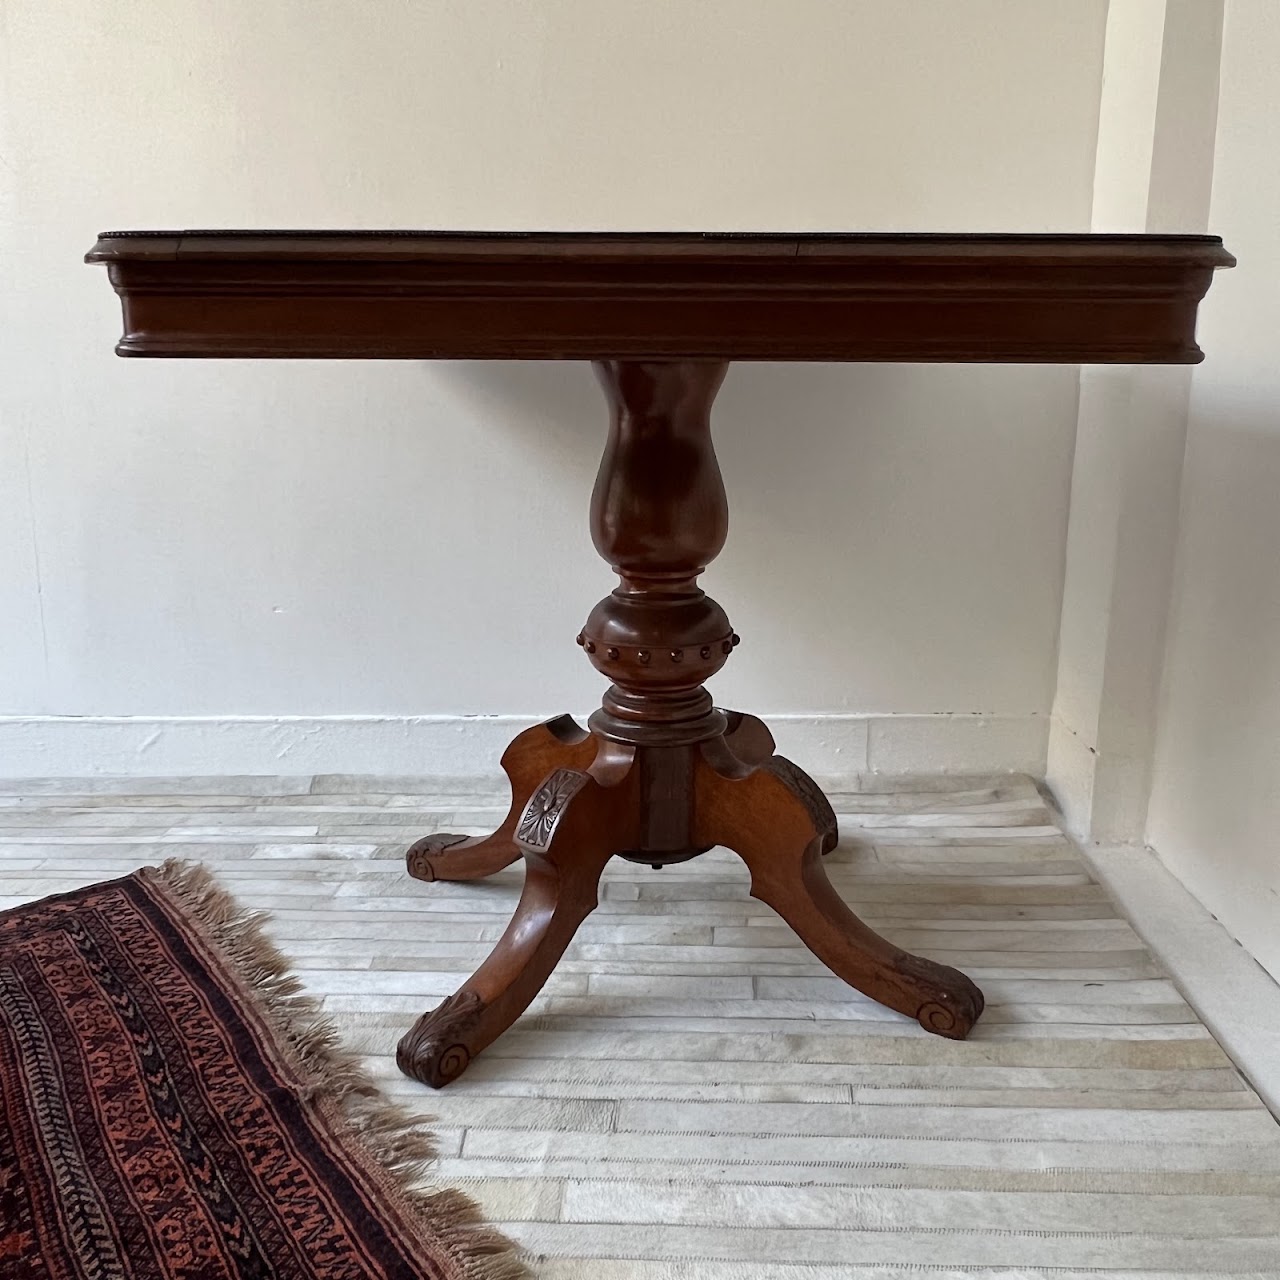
{"x": 659, "y": 516}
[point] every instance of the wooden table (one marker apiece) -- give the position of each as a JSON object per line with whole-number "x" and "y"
{"x": 660, "y": 774}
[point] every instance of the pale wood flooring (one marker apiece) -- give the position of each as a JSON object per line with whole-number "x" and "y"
{"x": 694, "y": 1096}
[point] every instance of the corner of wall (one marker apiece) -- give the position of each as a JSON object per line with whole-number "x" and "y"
{"x": 1069, "y": 775}
{"x": 1153, "y": 173}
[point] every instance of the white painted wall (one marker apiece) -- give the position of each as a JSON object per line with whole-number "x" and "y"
{"x": 1214, "y": 816}
{"x": 230, "y": 540}
{"x": 1154, "y": 173}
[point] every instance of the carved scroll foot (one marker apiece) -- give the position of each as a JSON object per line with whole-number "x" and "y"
{"x": 567, "y": 832}
{"x": 435, "y": 1049}
{"x": 770, "y": 815}
{"x": 954, "y": 1001}
{"x": 530, "y": 757}
{"x": 453, "y": 857}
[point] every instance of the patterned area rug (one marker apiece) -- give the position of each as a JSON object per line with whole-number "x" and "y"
{"x": 171, "y": 1108}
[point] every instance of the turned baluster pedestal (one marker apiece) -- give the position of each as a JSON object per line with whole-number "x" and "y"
{"x": 660, "y": 774}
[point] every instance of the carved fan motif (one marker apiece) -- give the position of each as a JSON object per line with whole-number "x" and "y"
{"x": 538, "y": 821}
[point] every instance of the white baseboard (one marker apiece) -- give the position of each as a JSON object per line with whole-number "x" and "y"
{"x": 828, "y": 746}
{"x": 1237, "y": 999}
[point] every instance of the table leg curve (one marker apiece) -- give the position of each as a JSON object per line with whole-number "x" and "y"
{"x": 771, "y": 817}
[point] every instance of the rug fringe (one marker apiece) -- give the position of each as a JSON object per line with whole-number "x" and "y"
{"x": 391, "y": 1137}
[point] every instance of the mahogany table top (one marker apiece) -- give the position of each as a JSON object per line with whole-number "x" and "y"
{"x": 1127, "y": 299}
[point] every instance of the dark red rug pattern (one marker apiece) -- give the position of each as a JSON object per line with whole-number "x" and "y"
{"x": 171, "y": 1110}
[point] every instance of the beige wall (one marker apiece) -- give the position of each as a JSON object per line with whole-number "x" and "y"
{"x": 227, "y": 539}
{"x": 1215, "y": 808}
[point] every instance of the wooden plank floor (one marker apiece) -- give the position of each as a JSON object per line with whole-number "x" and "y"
{"x": 694, "y": 1095}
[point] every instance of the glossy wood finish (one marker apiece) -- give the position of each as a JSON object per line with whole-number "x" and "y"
{"x": 659, "y": 516}
{"x": 774, "y": 817}
{"x": 422, "y": 295}
{"x": 531, "y": 756}
{"x": 567, "y": 832}
{"x": 662, "y": 774}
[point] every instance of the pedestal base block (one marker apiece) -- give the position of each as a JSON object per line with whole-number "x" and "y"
{"x": 597, "y": 799}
